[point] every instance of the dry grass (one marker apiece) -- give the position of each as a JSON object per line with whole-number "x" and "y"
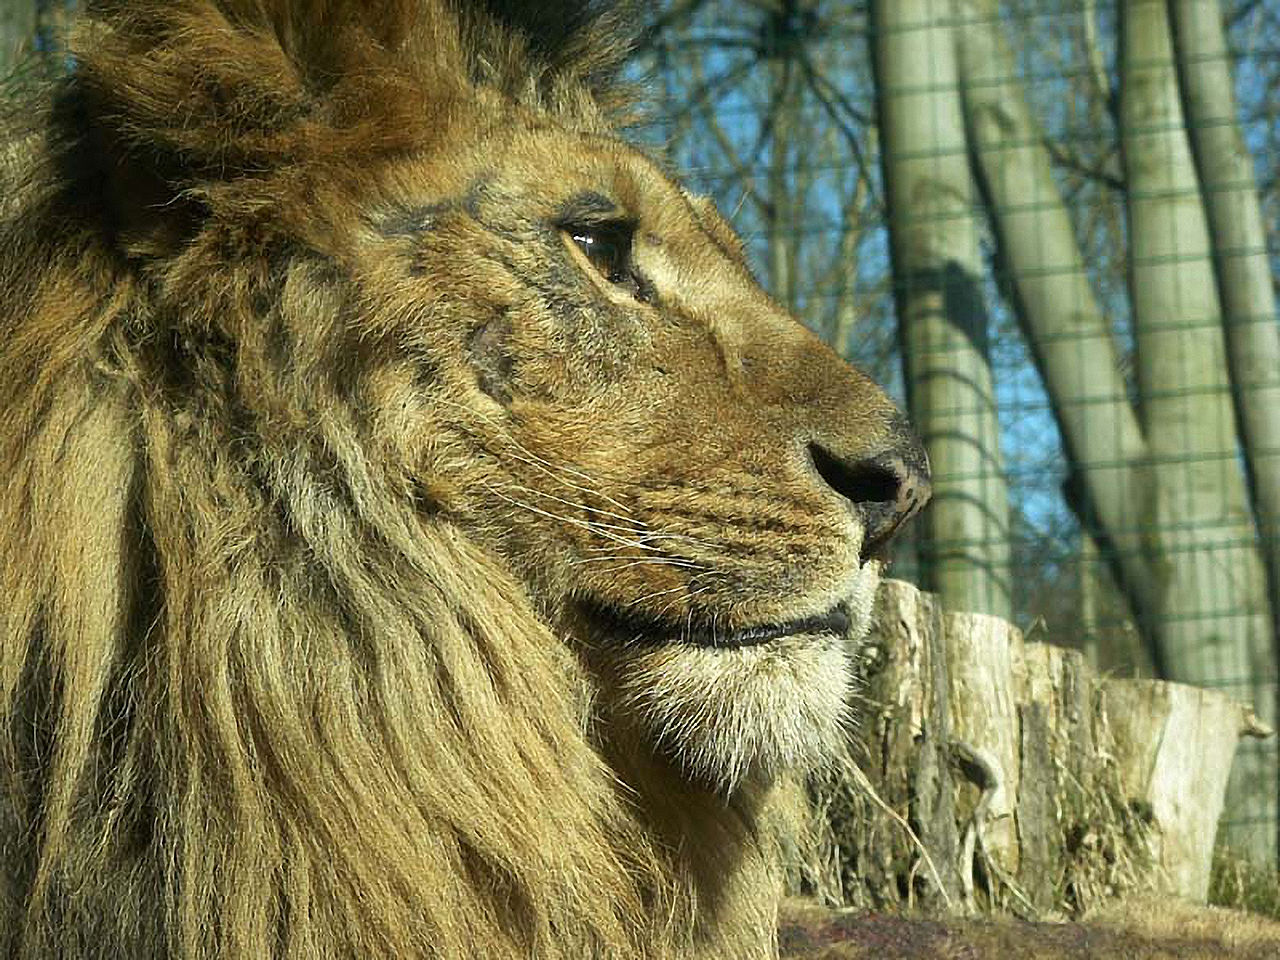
{"x": 1243, "y": 885}
{"x": 858, "y": 852}
{"x": 1106, "y": 841}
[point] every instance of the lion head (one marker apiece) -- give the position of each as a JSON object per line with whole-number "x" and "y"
{"x": 422, "y": 536}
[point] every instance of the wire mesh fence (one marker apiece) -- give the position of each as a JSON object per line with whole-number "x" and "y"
{"x": 1051, "y": 228}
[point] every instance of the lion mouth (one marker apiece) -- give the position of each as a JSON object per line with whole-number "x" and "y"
{"x": 639, "y": 628}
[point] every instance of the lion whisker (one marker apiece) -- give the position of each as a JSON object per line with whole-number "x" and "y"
{"x": 645, "y": 598}
{"x": 531, "y": 458}
{"x": 644, "y": 561}
{"x": 550, "y": 469}
{"x": 580, "y": 506}
{"x": 698, "y": 571}
{"x": 596, "y": 528}
{"x": 670, "y": 603}
{"x": 676, "y": 537}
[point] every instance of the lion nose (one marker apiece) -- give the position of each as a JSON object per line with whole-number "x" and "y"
{"x": 886, "y": 490}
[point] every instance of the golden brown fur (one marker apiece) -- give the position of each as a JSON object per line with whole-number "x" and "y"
{"x": 326, "y": 451}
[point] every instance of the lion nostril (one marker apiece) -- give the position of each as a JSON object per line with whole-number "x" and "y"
{"x": 885, "y": 490}
{"x": 863, "y": 481}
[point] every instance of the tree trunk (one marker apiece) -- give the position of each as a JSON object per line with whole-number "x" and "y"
{"x": 1168, "y": 739}
{"x": 1214, "y": 623}
{"x": 1239, "y": 256}
{"x": 1068, "y": 333}
{"x": 845, "y": 308}
{"x": 782, "y": 204}
{"x": 942, "y": 317}
{"x": 991, "y": 774}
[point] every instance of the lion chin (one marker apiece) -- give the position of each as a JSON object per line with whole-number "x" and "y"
{"x": 729, "y": 713}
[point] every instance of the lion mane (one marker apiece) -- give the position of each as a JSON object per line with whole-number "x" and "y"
{"x": 283, "y": 658}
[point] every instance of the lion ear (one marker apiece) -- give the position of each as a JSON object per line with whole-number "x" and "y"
{"x": 187, "y": 84}
{"x": 213, "y": 90}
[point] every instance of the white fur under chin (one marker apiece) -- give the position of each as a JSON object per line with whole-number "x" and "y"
{"x": 729, "y": 714}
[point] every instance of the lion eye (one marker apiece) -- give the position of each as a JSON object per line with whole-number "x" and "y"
{"x": 608, "y": 247}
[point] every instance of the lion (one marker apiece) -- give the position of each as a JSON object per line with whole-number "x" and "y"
{"x": 422, "y": 537}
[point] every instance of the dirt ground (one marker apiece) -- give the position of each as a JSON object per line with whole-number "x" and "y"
{"x": 1146, "y": 929}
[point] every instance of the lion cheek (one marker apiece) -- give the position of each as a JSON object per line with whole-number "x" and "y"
{"x": 747, "y": 715}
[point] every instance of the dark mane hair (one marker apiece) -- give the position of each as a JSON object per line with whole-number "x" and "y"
{"x": 236, "y": 85}
{"x": 226, "y": 726}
